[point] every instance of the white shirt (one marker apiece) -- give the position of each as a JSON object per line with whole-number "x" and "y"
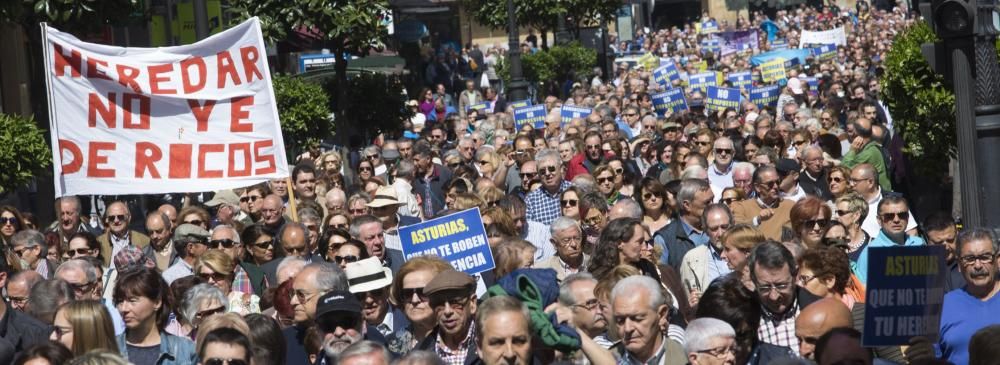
{"x": 540, "y": 236}
{"x": 117, "y": 244}
{"x": 176, "y": 271}
{"x": 795, "y": 196}
{"x": 871, "y": 226}
{"x": 404, "y": 194}
{"x": 720, "y": 180}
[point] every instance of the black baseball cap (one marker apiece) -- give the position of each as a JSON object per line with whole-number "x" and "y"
{"x": 337, "y": 301}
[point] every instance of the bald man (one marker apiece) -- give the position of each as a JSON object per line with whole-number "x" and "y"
{"x": 272, "y": 213}
{"x": 818, "y": 318}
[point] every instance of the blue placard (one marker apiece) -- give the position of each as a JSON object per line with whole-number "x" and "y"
{"x": 779, "y": 44}
{"x": 520, "y": 103}
{"x": 534, "y": 115}
{"x": 905, "y": 292}
{"x": 709, "y": 26}
{"x": 666, "y": 73}
{"x": 765, "y": 96}
{"x": 702, "y": 80}
{"x": 670, "y": 100}
{"x": 458, "y": 238}
{"x": 309, "y": 62}
{"x": 813, "y": 84}
{"x": 719, "y": 98}
{"x": 825, "y": 52}
{"x": 741, "y": 80}
{"x": 569, "y": 112}
{"x": 481, "y": 106}
{"x": 711, "y": 44}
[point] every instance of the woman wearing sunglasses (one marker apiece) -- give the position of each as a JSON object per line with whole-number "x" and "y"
{"x": 11, "y": 222}
{"x": 217, "y": 268}
{"x": 259, "y": 250}
{"x": 569, "y": 203}
{"x": 143, "y": 299}
{"x": 407, "y": 294}
{"x": 655, "y": 211}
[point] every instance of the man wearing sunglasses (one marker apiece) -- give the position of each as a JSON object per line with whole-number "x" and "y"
{"x": 191, "y": 241}
{"x": 30, "y": 246}
{"x": 340, "y": 324}
{"x": 117, "y": 236}
{"x": 543, "y": 203}
{"x": 369, "y": 281}
{"x": 226, "y": 239}
{"x": 893, "y": 215}
{"x": 720, "y": 173}
{"x": 452, "y": 296}
{"x": 592, "y": 156}
{"x": 864, "y": 180}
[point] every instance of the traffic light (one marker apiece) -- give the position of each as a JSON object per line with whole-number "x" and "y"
{"x": 953, "y": 18}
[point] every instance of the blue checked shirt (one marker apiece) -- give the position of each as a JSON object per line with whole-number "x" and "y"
{"x": 542, "y": 206}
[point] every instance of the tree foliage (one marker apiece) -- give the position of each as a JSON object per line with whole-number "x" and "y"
{"x": 304, "y": 111}
{"x": 922, "y": 107}
{"x": 24, "y": 153}
{"x": 375, "y": 103}
{"x": 542, "y": 14}
{"x": 353, "y": 26}
{"x": 68, "y": 15}
{"x": 558, "y": 64}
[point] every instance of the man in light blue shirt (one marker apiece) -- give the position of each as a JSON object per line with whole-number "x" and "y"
{"x": 893, "y": 214}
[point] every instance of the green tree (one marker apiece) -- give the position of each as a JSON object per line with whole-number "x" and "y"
{"x": 303, "y": 108}
{"x": 922, "y": 107}
{"x": 347, "y": 27}
{"x": 557, "y": 65}
{"x": 543, "y": 14}
{"x": 24, "y": 153}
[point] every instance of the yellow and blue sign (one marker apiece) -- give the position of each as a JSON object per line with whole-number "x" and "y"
{"x": 741, "y": 80}
{"x": 709, "y": 26}
{"x": 520, "y": 103}
{"x": 700, "y": 81}
{"x": 533, "y": 115}
{"x": 711, "y": 44}
{"x": 813, "y": 83}
{"x": 905, "y": 294}
{"x": 570, "y": 112}
{"x": 825, "y": 52}
{"x": 649, "y": 61}
{"x": 779, "y": 44}
{"x": 773, "y": 70}
{"x": 482, "y": 107}
{"x": 458, "y": 238}
{"x": 670, "y": 100}
{"x": 765, "y": 95}
{"x": 666, "y": 73}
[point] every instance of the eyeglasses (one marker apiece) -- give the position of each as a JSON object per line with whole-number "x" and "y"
{"x": 8, "y": 220}
{"x": 295, "y": 250}
{"x": 456, "y": 303}
{"x": 408, "y": 293}
{"x": 218, "y": 361}
{"x": 196, "y": 222}
{"x": 986, "y": 258}
{"x": 702, "y": 143}
{"x": 348, "y": 258}
{"x": 548, "y": 169}
{"x": 589, "y": 305}
{"x": 17, "y": 300}
{"x": 115, "y": 218}
{"x": 723, "y": 151}
{"x": 647, "y": 196}
{"x": 20, "y": 252}
{"x": 769, "y": 184}
{"x": 358, "y": 211}
{"x": 364, "y": 168}
{"x": 79, "y": 252}
{"x": 764, "y": 289}
{"x": 210, "y": 312}
{"x": 264, "y": 245}
{"x": 841, "y": 213}
{"x": 329, "y": 324}
{"x": 303, "y": 297}
{"x": 375, "y": 294}
{"x": 82, "y": 288}
{"x": 804, "y": 279}
{"x": 483, "y": 162}
{"x": 336, "y": 226}
{"x": 213, "y": 277}
{"x": 812, "y": 223}
{"x": 371, "y": 157}
{"x": 568, "y": 203}
{"x": 719, "y": 352}
{"x": 728, "y": 201}
{"x": 593, "y": 146}
{"x": 528, "y": 175}
{"x": 249, "y": 198}
{"x": 60, "y": 331}
{"x": 602, "y": 180}
{"x": 888, "y": 217}
{"x": 227, "y": 243}
{"x": 835, "y": 179}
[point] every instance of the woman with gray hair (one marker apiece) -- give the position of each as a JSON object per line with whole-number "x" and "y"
{"x": 710, "y": 341}
{"x": 200, "y": 302}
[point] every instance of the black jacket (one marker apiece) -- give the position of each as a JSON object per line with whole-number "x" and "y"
{"x": 439, "y": 179}
{"x": 21, "y": 330}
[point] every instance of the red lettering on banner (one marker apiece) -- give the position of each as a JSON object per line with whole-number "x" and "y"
{"x": 204, "y": 150}
{"x": 250, "y": 56}
{"x": 225, "y": 66}
{"x": 95, "y": 72}
{"x": 127, "y": 76}
{"x": 180, "y": 161}
{"x": 245, "y": 148}
{"x": 237, "y": 113}
{"x": 199, "y": 64}
{"x": 156, "y": 77}
{"x": 201, "y": 113}
{"x": 146, "y": 154}
{"x": 76, "y": 162}
{"x": 107, "y": 112}
{"x": 144, "y": 105}
{"x": 95, "y": 159}
{"x": 60, "y": 62}
{"x": 267, "y": 158}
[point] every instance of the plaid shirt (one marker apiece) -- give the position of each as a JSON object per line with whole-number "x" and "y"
{"x": 456, "y": 357}
{"x": 241, "y": 281}
{"x": 542, "y": 206}
{"x": 779, "y": 329}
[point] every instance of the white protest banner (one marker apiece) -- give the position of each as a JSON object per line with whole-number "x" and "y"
{"x": 832, "y": 36}
{"x": 190, "y": 118}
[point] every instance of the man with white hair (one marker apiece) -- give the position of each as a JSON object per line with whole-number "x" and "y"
{"x": 567, "y": 238}
{"x": 638, "y": 308}
{"x": 543, "y": 203}
{"x": 577, "y": 293}
{"x": 743, "y": 177}
{"x": 336, "y": 200}
{"x": 227, "y": 239}
{"x": 710, "y": 341}
{"x": 720, "y": 172}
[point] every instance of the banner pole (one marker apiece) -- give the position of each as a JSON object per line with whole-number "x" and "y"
{"x": 291, "y": 199}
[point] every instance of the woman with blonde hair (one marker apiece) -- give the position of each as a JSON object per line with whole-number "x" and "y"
{"x": 491, "y": 196}
{"x": 217, "y": 268}
{"x": 84, "y": 325}
{"x": 194, "y": 215}
{"x": 513, "y": 254}
{"x": 737, "y": 243}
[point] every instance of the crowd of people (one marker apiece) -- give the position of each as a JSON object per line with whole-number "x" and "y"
{"x": 625, "y": 236}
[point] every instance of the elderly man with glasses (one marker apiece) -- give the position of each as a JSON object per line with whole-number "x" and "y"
{"x": 710, "y": 341}
{"x": 452, "y": 296}
{"x": 974, "y": 306}
{"x": 85, "y": 279}
{"x": 893, "y": 215}
{"x": 118, "y": 235}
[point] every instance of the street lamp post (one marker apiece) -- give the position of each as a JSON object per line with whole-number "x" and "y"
{"x": 518, "y": 88}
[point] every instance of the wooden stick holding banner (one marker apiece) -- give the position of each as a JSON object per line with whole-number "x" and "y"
{"x": 291, "y": 199}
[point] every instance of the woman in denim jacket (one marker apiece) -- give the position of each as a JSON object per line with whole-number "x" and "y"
{"x": 143, "y": 299}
